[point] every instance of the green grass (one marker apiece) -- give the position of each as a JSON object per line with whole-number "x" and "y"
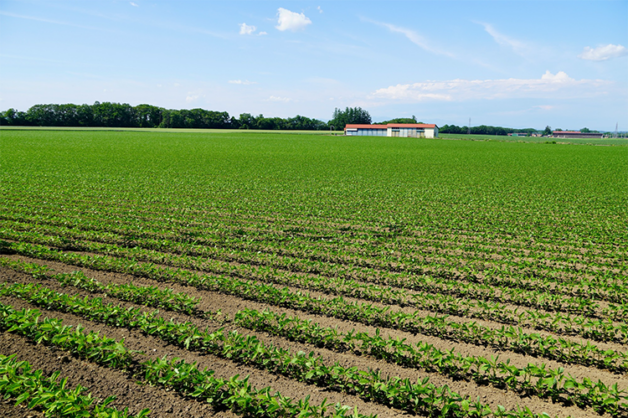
{"x": 529, "y": 190}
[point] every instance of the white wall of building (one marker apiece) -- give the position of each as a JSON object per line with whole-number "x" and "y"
{"x": 395, "y": 132}
{"x": 431, "y": 132}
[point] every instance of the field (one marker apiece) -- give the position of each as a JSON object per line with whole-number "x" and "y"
{"x": 575, "y": 141}
{"x": 278, "y": 274}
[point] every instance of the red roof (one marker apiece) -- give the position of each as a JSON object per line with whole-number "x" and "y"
{"x": 363, "y": 126}
{"x": 411, "y": 125}
{"x": 391, "y": 125}
{"x": 566, "y": 132}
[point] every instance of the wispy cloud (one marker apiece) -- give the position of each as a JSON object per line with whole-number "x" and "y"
{"x": 291, "y": 21}
{"x": 279, "y": 99}
{"x": 246, "y": 29}
{"x": 54, "y": 22}
{"x": 134, "y": 4}
{"x": 412, "y": 36}
{"x": 191, "y": 98}
{"x": 516, "y": 45}
{"x": 262, "y": 33}
{"x": 558, "y": 85}
{"x": 319, "y": 9}
{"x": 603, "y": 53}
{"x": 243, "y": 82}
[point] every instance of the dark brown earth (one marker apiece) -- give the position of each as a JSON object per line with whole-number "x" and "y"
{"x": 288, "y": 387}
{"x": 8, "y": 409}
{"x": 103, "y": 382}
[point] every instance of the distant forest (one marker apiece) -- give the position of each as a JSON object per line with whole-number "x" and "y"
{"x": 485, "y": 130}
{"x": 120, "y": 115}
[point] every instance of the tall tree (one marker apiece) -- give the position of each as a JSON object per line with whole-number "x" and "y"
{"x": 350, "y": 115}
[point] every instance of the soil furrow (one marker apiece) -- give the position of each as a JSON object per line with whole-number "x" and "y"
{"x": 347, "y": 360}
{"x": 103, "y": 382}
{"x": 156, "y": 348}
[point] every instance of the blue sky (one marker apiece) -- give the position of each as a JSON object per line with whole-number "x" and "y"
{"x": 508, "y": 63}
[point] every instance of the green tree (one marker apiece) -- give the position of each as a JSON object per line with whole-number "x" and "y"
{"x": 247, "y": 121}
{"x": 13, "y": 117}
{"x": 547, "y": 131}
{"x": 148, "y": 116}
{"x": 400, "y": 120}
{"x": 350, "y": 115}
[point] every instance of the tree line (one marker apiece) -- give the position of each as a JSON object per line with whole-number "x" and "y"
{"x": 108, "y": 114}
{"x": 483, "y": 130}
{"x": 124, "y": 115}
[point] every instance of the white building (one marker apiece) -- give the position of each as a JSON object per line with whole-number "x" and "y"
{"x": 405, "y": 130}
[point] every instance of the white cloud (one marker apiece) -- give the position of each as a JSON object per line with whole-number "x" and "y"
{"x": 413, "y": 36}
{"x": 291, "y": 21}
{"x": 134, "y": 5}
{"x": 244, "y": 82}
{"x": 262, "y": 33}
{"x": 191, "y": 98}
{"x": 603, "y": 53}
{"x": 545, "y": 107}
{"x": 279, "y": 99}
{"x": 516, "y": 45}
{"x": 319, "y": 9}
{"x": 558, "y": 85}
{"x": 246, "y": 29}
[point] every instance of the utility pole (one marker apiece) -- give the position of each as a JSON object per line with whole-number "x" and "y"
{"x": 616, "y": 125}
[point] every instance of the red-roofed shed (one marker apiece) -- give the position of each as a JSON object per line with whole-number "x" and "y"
{"x": 412, "y": 130}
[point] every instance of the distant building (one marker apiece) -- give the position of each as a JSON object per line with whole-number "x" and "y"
{"x": 404, "y": 130}
{"x": 518, "y": 134}
{"x": 576, "y": 134}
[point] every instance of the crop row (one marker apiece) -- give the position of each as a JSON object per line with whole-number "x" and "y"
{"x": 420, "y": 397}
{"x": 150, "y": 296}
{"x": 535, "y": 299}
{"x": 19, "y": 382}
{"x": 234, "y": 393}
{"x": 498, "y": 211}
{"x": 485, "y": 284}
{"x": 529, "y": 380}
{"x": 332, "y": 252}
{"x": 595, "y": 329}
{"x": 173, "y": 217}
{"x": 146, "y": 295}
{"x": 549, "y": 383}
{"x": 504, "y": 338}
{"x": 326, "y": 251}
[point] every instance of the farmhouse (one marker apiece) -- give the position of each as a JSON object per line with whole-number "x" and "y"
{"x": 576, "y": 134}
{"x": 405, "y": 130}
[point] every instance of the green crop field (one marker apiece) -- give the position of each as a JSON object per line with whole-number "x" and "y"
{"x": 502, "y": 138}
{"x": 430, "y": 277}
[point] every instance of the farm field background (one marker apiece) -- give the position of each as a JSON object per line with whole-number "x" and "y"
{"x": 502, "y": 138}
{"x": 437, "y": 276}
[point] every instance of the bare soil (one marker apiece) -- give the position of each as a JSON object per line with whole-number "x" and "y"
{"x": 288, "y": 387}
